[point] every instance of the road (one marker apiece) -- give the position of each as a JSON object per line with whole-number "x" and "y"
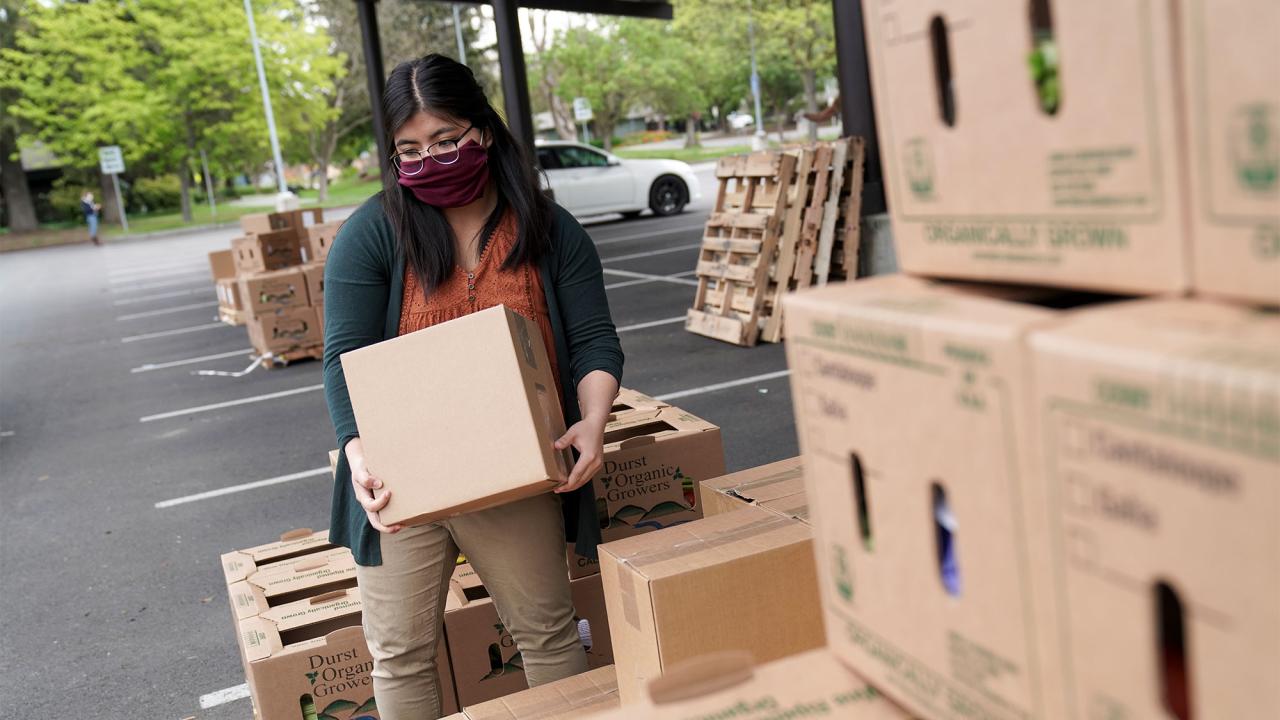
{"x": 115, "y": 603}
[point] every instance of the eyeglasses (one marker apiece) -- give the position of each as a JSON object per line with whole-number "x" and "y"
{"x": 445, "y": 152}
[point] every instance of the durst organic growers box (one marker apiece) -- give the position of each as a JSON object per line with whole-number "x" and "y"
{"x": 724, "y": 686}
{"x": 265, "y": 292}
{"x": 594, "y": 691}
{"x": 486, "y": 662}
{"x": 475, "y": 432}
{"x": 912, "y": 408}
{"x": 222, "y": 264}
{"x": 309, "y": 658}
{"x": 285, "y": 582}
{"x": 240, "y": 564}
{"x": 743, "y": 580}
{"x": 753, "y": 486}
{"x": 319, "y": 239}
{"x": 654, "y": 457}
{"x": 314, "y": 273}
{"x": 1159, "y": 429}
{"x": 1232, "y": 109}
{"x": 268, "y": 251}
{"x": 285, "y": 330}
{"x": 629, "y": 400}
{"x": 1032, "y": 143}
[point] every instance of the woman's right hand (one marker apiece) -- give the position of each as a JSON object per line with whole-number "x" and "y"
{"x": 366, "y": 487}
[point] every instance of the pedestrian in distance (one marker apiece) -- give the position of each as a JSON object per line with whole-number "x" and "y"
{"x": 92, "y": 211}
{"x": 462, "y": 225}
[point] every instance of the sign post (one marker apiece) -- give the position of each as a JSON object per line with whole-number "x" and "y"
{"x": 582, "y": 114}
{"x": 111, "y": 160}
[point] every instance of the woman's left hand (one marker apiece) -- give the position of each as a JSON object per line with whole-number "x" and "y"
{"x": 587, "y": 436}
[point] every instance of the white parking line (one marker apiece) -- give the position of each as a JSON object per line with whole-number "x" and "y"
{"x": 146, "y": 269}
{"x": 175, "y": 331}
{"x": 231, "y": 403}
{"x": 241, "y": 488}
{"x": 651, "y": 253}
{"x": 157, "y": 285}
{"x": 723, "y": 386}
{"x": 155, "y": 275}
{"x": 162, "y": 296}
{"x": 640, "y": 236}
{"x": 190, "y": 361}
{"x": 678, "y": 278}
{"x": 222, "y": 697}
{"x": 166, "y": 311}
{"x": 651, "y": 323}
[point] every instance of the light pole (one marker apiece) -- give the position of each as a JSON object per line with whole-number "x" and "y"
{"x": 758, "y": 141}
{"x": 457, "y": 30}
{"x": 285, "y": 200}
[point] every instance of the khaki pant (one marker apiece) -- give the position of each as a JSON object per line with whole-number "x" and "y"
{"x": 518, "y": 550}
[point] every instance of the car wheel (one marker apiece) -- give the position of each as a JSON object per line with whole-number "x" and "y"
{"x": 668, "y": 196}
{"x": 631, "y": 215}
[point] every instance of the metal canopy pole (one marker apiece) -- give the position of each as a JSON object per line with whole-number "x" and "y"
{"x": 515, "y": 86}
{"x": 856, "y": 109}
{"x": 367, "y": 12}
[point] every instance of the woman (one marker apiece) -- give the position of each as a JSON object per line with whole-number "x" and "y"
{"x": 91, "y": 212}
{"x": 460, "y": 226}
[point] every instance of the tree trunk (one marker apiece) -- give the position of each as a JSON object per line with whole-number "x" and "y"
{"x": 810, "y": 78}
{"x": 184, "y": 180}
{"x": 606, "y": 133}
{"x": 110, "y": 213}
{"x": 326, "y": 157}
{"x": 691, "y": 139}
{"x": 13, "y": 181}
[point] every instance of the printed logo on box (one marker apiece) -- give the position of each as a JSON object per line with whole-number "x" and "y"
{"x": 497, "y": 666}
{"x": 917, "y": 164}
{"x": 630, "y": 482}
{"x": 1255, "y": 145}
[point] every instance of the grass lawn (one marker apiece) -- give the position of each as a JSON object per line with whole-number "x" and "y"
{"x": 689, "y": 155}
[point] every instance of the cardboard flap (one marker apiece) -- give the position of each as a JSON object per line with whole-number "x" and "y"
{"x": 313, "y": 562}
{"x": 259, "y": 639}
{"x": 713, "y": 540}
{"x": 701, "y": 676}
{"x": 638, "y": 441}
{"x": 320, "y": 599}
{"x": 295, "y": 534}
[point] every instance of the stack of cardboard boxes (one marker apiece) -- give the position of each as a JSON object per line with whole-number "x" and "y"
{"x": 272, "y": 280}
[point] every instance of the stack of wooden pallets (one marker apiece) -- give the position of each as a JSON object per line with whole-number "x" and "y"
{"x": 783, "y": 220}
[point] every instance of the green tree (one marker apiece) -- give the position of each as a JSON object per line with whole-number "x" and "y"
{"x": 800, "y": 31}
{"x": 20, "y": 211}
{"x": 601, "y": 65}
{"x": 713, "y": 33}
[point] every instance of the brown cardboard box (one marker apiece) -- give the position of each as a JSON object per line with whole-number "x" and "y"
{"x": 282, "y": 331}
{"x": 295, "y": 220}
{"x": 268, "y": 251}
{"x": 579, "y": 696}
{"x": 719, "y": 685}
{"x": 1089, "y": 197}
{"x": 230, "y": 308}
{"x": 486, "y": 662}
{"x": 752, "y": 486}
{"x": 1160, "y": 453}
{"x": 487, "y": 413}
{"x": 308, "y": 652}
{"x": 912, "y": 410}
{"x": 240, "y": 564}
{"x": 319, "y": 238}
{"x": 654, "y": 458}
{"x": 292, "y": 580}
{"x": 222, "y": 264}
{"x": 629, "y": 400}
{"x": 1232, "y": 109}
{"x": 266, "y": 292}
{"x": 314, "y": 272}
{"x": 743, "y": 580}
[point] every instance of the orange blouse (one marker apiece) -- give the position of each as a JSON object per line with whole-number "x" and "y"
{"x": 488, "y": 285}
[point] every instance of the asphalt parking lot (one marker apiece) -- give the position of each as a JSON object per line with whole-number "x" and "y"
{"x": 125, "y": 473}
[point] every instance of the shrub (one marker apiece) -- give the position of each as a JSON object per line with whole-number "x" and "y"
{"x": 149, "y": 195}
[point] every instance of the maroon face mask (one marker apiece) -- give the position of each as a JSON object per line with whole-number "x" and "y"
{"x": 448, "y": 186}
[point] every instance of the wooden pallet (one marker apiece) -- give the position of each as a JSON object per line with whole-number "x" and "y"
{"x": 738, "y": 247}
{"x": 231, "y": 316}
{"x": 279, "y": 360}
{"x": 848, "y": 232}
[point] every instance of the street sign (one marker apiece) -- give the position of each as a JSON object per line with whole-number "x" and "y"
{"x": 111, "y": 159}
{"x": 582, "y": 110}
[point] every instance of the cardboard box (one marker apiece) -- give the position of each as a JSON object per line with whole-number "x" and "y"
{"x": 475, "y": 432}
{"x": 752, "y": 486}
{"x": 485, "y": 660}
{"x": 222, "y": 264}
{"x": 653, "y": 461}
{"x": 266, "y": 292}
{"x": 268, "y": 251}
{"x": 1090, "y": 196}
{"x": 296, "y": 221}
{"x": 314, "y": 276}
{"x": 743, "y": 580}
{"x": 287, "y": 330}
{"x": 240, "y": 564}
{"x": 629, "y": 400}
{"x": 579, "y": 696}
{"x": 283, "y": 583}
{"x": 724, "y": 685}
{"x": 319, "y": 238}
{"x": 1160, "y": 453}
{"x": 1232, "y": 109}
{"x": 912, "y": 407}
{"x": 230, "y": 308}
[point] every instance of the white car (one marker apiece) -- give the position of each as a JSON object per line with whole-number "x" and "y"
{"x": 587, "y": 181}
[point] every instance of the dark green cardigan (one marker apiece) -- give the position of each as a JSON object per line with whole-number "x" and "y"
{"x": 364, "y": 284}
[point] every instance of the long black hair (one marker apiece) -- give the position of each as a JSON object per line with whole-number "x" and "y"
{"x": 447, "y": 88}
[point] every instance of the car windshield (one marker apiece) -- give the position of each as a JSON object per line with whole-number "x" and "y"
{"x": 572, "y": 156}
